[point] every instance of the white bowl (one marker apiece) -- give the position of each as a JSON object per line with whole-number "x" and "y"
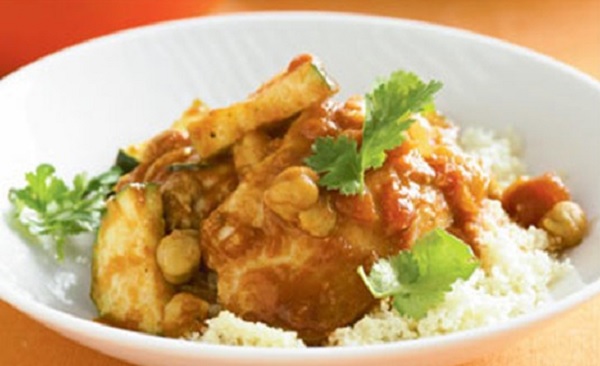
{"x": 75, "y": 108}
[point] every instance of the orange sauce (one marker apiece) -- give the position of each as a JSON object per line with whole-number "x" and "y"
{"x": 528, "y": 200}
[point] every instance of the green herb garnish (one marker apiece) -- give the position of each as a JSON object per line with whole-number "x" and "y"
{"x": 389, "y": 107}
{"x": 48, "y": 207}
{"x": 417, "y": 279}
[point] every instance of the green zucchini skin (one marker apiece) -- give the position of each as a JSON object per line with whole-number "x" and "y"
{"x": 126, "y": 162}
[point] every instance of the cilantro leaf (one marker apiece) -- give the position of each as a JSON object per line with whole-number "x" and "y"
{"x": 46, "y": 206}
{"x": 418, "y": 279}
{"x": 388, "y": 110}
{"x": 389, "y": 107}
{"x": 417, "y": 304}
{"x": 339, "y": 160}
{"x": 382, "y": 281}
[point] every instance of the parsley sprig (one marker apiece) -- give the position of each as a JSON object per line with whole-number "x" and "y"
{"x": 46, "y": 206}
{"x": 389, "y": 107}
{"x": 417, "y": 279}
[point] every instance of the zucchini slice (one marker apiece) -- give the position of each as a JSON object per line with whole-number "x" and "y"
{"x": 301, "y": 85}
{"x": 127, "y": 285}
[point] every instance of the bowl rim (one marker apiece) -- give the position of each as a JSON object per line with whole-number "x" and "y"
{"x": 60, "y": 320}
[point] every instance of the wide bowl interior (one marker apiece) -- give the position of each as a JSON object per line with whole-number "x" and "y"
{"x": 75, "y": 109}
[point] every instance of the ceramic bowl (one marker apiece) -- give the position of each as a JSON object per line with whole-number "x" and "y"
{"x": 75, "y": 108}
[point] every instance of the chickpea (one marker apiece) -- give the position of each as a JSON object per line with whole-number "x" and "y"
{"x": 566, "y": 222}
{"x": 293, "y": 190}
{"x": 184, "y": 313}
{"x": 178, "y": 255}
{"x": 318, "y": 220}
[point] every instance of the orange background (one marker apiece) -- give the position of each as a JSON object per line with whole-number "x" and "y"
{"x": 568, "y": 30}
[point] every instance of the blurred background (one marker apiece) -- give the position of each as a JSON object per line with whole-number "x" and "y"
{"x": 567, "y": 30}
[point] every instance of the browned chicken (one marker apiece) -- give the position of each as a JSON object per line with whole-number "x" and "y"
{"x": 233, "y": 217}
{"x": 286, "y": 251}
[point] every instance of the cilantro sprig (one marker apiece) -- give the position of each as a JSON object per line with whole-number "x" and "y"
{"x": 417, "y": 279}
{"x": 389, "y": 107}
{"x": 46, "y": 206}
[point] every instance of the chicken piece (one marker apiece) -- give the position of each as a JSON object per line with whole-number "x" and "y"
{"x": 267, "y": 266}
{"x": 274, "y": 269}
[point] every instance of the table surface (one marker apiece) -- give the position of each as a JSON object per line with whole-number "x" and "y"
{"x": 566, "y": 30}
